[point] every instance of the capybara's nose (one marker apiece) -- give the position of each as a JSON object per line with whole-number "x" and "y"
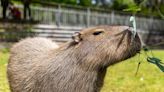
{"x": 134, "y": 36}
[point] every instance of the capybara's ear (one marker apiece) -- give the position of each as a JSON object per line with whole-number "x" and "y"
{"x": 77, "y": 37}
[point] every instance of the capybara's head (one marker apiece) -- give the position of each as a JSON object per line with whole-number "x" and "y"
{"x": 106, "y": 45}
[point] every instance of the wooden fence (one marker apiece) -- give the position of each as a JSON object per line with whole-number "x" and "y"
{"x": 58, "y": 34}
{"x": 62, "y": 16}
{"x": 151, "y": 29}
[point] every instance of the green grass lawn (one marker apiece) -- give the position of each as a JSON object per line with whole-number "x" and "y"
{"x": 120, "y": 77}
{"x": 3, "y": 63}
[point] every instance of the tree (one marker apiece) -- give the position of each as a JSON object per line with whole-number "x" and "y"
{"x": 73, "y": 2}
{"x": 153, "y": 6}
{"x": 62, "y": 1}
{"x": 119, "y": 5}
{"x": 85, "y": 2}
{"x": 138, "y": 1}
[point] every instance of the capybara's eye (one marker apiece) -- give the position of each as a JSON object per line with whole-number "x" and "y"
{"x": 97, "y": 33}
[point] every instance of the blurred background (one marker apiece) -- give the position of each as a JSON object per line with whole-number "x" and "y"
{"x": 59, "y": 19}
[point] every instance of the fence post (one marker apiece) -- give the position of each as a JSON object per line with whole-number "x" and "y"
{"x": 88, "y": 16}
{"x": 58, "y": 16}
{"x": 112, "y": 17}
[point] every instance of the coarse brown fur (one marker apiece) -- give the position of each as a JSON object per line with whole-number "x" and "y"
{"x": 77, "y": 66}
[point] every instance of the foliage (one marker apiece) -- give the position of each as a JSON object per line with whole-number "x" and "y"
{"x": 119, "y": 5}
{"x": 16, "y": 35}
{"x": 73, "y": 2}
{"x": 120, "y": 77}
{"x": 85, "y": 2}
{"x": 143, "y": 7}
{"x": 153, "y": 7}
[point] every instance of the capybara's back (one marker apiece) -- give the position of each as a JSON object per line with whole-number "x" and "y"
{"x": 22, "y": 57}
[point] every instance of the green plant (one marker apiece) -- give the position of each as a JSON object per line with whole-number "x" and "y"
{"x": 13, "y": 35}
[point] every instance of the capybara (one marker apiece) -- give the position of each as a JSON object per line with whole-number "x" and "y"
{"x": 78, "y": 65}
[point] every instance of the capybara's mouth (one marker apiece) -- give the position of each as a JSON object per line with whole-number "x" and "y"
{"x": 132, "y": 53}
{"x": 135, "y": 45}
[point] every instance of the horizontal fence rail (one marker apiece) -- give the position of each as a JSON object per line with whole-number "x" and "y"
{"x": 56, "y": 34}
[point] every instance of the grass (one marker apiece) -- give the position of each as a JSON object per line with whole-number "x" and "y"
{"x": 120, "y": 77}
{"x": 3, "y": 63}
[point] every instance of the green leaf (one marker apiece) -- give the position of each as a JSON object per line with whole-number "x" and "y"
{"x": 160, "y": 66}
{"x": 151, "y": 60}
{"x": 157, "y": 62}
{"x": 133, "y": 9}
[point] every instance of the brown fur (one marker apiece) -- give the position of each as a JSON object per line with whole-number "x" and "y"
{"x": 77, "y": 66}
